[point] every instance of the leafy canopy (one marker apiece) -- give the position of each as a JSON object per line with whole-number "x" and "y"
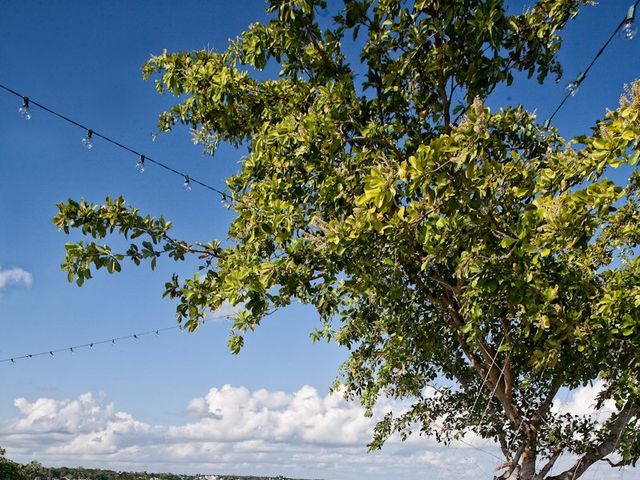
{"x": 438, "y": 240}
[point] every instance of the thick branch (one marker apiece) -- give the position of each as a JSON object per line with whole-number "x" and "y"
{"x": 549, "y": 465}
{"x": 546, "y": 404}
{"x": 489, "y": 364}
{"x": 442, "y": 85}
{"x": 326, "y": 60}
{"x": 512, "y": 464}
{"x": 606, "y": 446}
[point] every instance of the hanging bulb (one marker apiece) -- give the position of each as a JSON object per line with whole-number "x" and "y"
{"x": 140, "y": 164}
{"x": 573, "y": 86}
{"x": 629, "y": 29}
{"x": 87, "y": 140}
{"x": 542, "y": 133}
{"x": 24, "y": 111}
{"x": 187, "y": 183}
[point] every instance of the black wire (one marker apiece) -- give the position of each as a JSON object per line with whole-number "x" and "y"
{"x": 189, "y": 178}
{"x": 223, "y": 194}
{"x": 73, "y": 348}
{"x": 593, "y": 61}
{"x": 115, "y": 142}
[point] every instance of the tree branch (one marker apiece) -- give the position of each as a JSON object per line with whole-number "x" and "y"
{"x": 557, "y": 451}
{"x": 362, "y": 140}
{"x": 606, "y": 446}
{"x": 512, "y": 464}
{"x": 328, "y": 63}
{"x": 556, "y": 383}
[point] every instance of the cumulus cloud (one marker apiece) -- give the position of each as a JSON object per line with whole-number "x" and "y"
{"x": 15, "y": 276}
{"x": 301, "y": 434}
{"x": 582, "y": 401}
{"x": 238, "y": 414}
{"x": 232, "y": 430}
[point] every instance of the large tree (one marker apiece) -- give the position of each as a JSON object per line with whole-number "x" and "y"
{"x": 439, "y": 241}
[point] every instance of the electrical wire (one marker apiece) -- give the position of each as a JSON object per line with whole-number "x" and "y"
{"x": 188, "y": 178}
{"x": 486, "y": 377}
{"x": 89, "y": 345}
{"x": 583, "y": 75}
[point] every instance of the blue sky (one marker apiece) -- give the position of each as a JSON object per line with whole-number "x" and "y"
{"x": 83, "y": 59}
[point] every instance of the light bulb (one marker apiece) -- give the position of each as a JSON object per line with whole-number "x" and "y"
{"x": 187, "y": 184}
{"x": 87, "y": 140}
{"x": 24, "y": 111}
{"x": 629, "y": 29}
{"x": 140, "y": 164}
{"x": 542, "y": 132}
{"x": 572, "y": 88}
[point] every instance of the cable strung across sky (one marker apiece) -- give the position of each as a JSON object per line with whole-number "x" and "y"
{"x": 628, "y": 30}
{"x": 87, "y": 141}
{"x": 89, "y": 345}
{"x": 627, "y": 27}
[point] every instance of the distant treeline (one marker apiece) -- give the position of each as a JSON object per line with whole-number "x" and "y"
{"x": 10, "y": 470}
{"x": 99, "y": 474}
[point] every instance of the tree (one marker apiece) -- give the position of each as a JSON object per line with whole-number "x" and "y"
{"x": 9, "y": 470}
{"x": 436, "y": 239}
{"x": 33, "y": 469}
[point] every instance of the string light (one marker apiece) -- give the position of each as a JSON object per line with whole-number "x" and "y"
{"x": 574, "y": 85}
{"x": 87, "y": 140}
{"x": 140, "y": 164}
{"x": 629, "y": 28}
{"x": 24, "y": 111}
{"x": 92, "y": 134}
{"x": 74, "y": 348}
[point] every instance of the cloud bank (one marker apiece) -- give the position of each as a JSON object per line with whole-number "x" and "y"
{"x": 231, "y": 430}
{"x": 235, "y": 430}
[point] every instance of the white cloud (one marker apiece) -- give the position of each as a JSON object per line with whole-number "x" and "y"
{"x": 233, "y": 430}
{"x": 583, "y": 402}
{"x": 238, "y": 414}
{"x": 15, "y": 276}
